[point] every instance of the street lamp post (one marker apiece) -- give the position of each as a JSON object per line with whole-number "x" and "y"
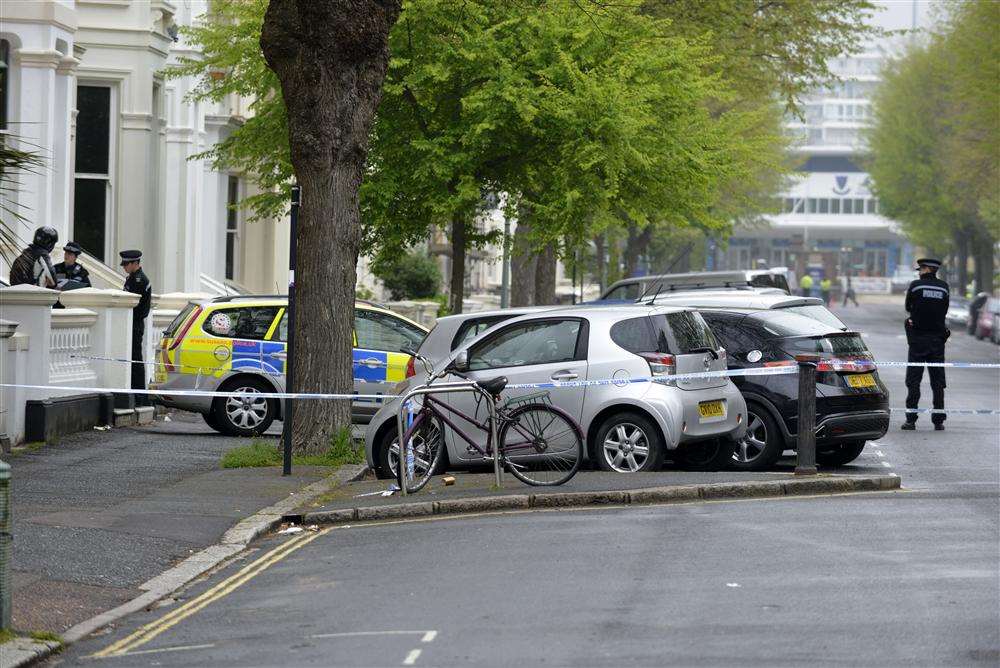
{"x": 286, "y": 436}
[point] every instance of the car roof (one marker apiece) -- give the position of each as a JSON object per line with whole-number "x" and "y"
{"x": 737, "y": 299}
{"x": 689, "y": 279}
{"x": 511, "y": 312}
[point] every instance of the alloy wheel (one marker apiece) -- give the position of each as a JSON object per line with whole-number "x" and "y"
{"x": 753, "y": 443}
{"x": 626, "y": 448}
{"x": 246, "y": 411}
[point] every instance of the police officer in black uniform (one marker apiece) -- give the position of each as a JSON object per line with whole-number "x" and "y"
{"x": 70, "y": 270}
{"x": 137, "y": 283}
{"x": 927, "y": 303}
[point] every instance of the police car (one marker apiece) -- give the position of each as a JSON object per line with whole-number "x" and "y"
{"x": 237, "y": 344}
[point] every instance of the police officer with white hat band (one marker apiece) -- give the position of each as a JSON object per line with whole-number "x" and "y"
{"x": 137, "y": 283}
{"x": 927, "y": 303}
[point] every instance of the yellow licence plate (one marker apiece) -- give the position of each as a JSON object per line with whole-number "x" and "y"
{"x": 709, "y": 409}
{"x": 861, "y": 380}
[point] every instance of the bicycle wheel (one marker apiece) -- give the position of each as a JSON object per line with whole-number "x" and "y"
{"x": 427, "y": 437}
{"x": 541, "y": 444}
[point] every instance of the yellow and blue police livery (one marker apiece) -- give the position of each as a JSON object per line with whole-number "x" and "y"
{"x": 237, "y": 344}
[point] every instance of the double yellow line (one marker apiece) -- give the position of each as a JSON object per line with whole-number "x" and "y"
{"x": 146, "y": 633}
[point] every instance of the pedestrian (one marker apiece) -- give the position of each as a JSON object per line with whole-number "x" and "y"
{"x": 974, "y": 308}
{"x": 70, "y": 274}
{"x": 34, "y": 266}
{"x": 927, "y": 303}
{"x": 824, "y": 288}
{"x": 807, "y": 285}
{"x": 136, "y": 282}
{"x": 849, "y": 292}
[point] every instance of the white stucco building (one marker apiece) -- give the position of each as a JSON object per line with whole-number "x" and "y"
{"x": 82, "y": 84}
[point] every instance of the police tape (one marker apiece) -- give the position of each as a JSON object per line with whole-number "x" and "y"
{"x": 943, "y": 365}
{"x": 948, "y": 411}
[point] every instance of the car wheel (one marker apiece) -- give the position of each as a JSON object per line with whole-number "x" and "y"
{"x": 628, "y": 443}
{"x": 840, "y": 454}
{"x": 212, "y": 422}
{"x": 715, "y": 454}
{"x": 762, "y": 445}
{"x": 387, "y": 457}
{"x": 246, "y": 415}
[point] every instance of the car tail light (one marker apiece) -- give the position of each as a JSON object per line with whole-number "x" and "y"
{"x": 184, "y": 330}
{"x": 781, "y": 363}
{"x": 410, "y": 370}
{"x": 660, "y": 365}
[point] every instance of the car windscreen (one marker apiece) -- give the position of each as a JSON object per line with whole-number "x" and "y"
{"x": 473, "y": 327}
{"x": 817, "y": 312}
{"x": 627, "y": 291}
{"x": 782, "y": 283}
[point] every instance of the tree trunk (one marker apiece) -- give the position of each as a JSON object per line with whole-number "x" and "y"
{"x": 458, "y": 242}
{"x": 984, "y": 266}
{"x": 602, "y": 266}
{"x": 635, "y": 245}
{"x": 545, "y": 276}
{"x": 962, "y": 265}
{"x": 331, "y": 59}
{"x": 522, "y": 264}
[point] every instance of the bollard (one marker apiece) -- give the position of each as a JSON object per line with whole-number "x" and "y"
{"x": 5, "y": 546}
{"x": 805, "y": 463}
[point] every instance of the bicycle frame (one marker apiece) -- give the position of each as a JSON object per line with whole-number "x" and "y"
{"x": 428, "y": 390}
{"x": 430, "y": 407}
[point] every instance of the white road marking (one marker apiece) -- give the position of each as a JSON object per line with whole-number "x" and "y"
{"x": 412, "y": 657}
{"x": 179, "y": 648}
{"x": 427, "y": 636}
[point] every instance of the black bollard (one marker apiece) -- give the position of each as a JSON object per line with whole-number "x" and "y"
{"x": 805, "y": 463}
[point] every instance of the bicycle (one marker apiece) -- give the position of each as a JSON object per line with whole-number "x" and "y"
{"x": 540, "y": 444}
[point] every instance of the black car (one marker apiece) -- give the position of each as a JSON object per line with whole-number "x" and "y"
{"x": 852, "y": 403}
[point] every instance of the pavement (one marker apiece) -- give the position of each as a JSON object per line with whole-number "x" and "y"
{"x": 98, "y": 514}
{"x": 906, "y": 577}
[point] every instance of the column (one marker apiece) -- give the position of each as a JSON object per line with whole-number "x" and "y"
{"x": 38, "y": 125}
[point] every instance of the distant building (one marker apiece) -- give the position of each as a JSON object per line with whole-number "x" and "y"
{"x": 830, "y": 222}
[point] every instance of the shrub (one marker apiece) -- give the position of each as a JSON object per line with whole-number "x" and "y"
{"x": 409, "y": 276}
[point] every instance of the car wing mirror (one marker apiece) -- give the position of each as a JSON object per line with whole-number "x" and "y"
{"x": 461, "y": 361}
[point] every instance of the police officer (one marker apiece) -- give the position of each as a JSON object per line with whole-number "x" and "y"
{"x": 70, "y": 270}
{"x": 33, "y": 266}
{"x": 137, "y": 283}
{"x": 927, "y": 303}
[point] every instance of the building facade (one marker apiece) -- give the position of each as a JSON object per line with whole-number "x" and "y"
{"x": 83, "y": 86}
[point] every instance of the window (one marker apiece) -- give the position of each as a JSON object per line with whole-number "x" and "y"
{"x": 380, "y": 331}
{"x": 736, "y": 339}
{"x": 635, "y": 335}
{"x": 686, "y": 332}
{"x": 232, "y": 226}
{"x": 4, "y": 81}
{"x": 817, "y": 312}
{"x": 534, "y": 342}
{"x": 824, "y": 206}
{"x": 859, "y": 206}
{"x": 847, "y": 206}
{"x": 282, "y": 333}
{"x": 811, "y": 205}
{"x": 629, "y": 291}
{"x": 834, "y": 205}
{"x": 869, "y": 206}
{"x": 92, "y": 183}
{"x": 245, "y": 322}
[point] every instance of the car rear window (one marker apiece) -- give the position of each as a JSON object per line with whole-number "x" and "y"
{"x": 762, "y": 281}
{"x": 673, "y": 333}
{"x": 782, "y": 323}
{"x": 176, "y": 323}
{"x": 848, "y": 344}
{"x": 817, "y": 312}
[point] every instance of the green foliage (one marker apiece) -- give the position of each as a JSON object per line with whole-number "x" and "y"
{"x": 409, "y": 276}
{"x": 16, "y": 157}
{"x": 935, "y": 140}
{"x": 232, "y": 64}
{"x": 342, "y": 450}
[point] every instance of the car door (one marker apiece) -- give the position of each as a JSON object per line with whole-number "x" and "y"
{"x": 540, "y": 350}
{"x": 378, "y": 362}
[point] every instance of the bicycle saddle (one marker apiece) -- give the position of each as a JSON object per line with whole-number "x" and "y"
{"x": 494, "y": 386}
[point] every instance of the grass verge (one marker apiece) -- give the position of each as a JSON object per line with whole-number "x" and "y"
{"x": 342, "y": 451}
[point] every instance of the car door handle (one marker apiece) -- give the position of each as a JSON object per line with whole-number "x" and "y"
{"x": 280, "y": 355}
{"x": 564, "y": 375}
{"x": 371, "y": 362}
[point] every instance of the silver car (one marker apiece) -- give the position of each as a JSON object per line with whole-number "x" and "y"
{"x": 451, "y": 332}
{"x": 629, "y": 426}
